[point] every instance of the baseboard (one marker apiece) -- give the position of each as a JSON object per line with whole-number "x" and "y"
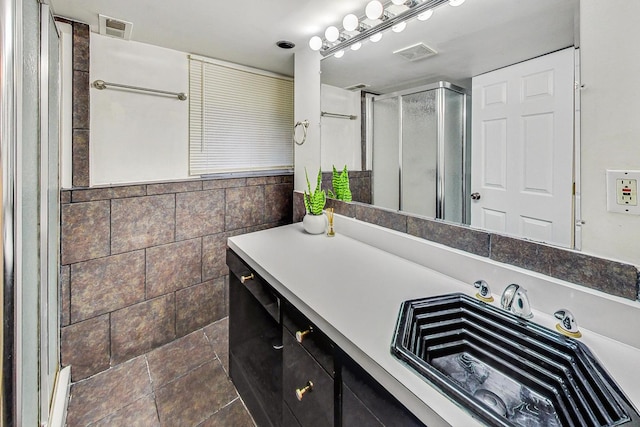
{"x": 58, "y": 415}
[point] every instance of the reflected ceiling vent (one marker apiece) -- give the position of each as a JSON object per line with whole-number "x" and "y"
{"x": 415, "y": 52}
{"x": 115, "y": 27}
{"x": 356, "y": 87}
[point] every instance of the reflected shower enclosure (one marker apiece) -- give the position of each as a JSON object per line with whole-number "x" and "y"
{"x": 418, "y": 143}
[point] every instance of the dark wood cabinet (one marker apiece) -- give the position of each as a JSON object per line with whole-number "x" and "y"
{"x": 289, "y": 373}
{"x": 309, "y": 336}
{"x": 255, "y": 343}
{"x": 364, "y": 397}
{"x": 308, "y": 365}
{"x": 355, "y": 412}
{"x": 308, "y": 390}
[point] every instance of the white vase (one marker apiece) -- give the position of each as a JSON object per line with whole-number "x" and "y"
{"x": 314, "y": 224}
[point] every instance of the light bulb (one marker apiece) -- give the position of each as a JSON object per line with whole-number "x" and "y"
{"x": 350, "y": 22}
{"x": 315, "y": 43}
{"x": 374, "y": 9}
{"x": 339, "y": 54}
{"x": 376, "y": 37}
{"x": 425, "y": 15}
{"x": 398, "y": 2}
{"x": 399, "y": 27}
{"x": 331, "y": 33}
{"x": 456, "y": 2}
{"x": 356, "y": 46}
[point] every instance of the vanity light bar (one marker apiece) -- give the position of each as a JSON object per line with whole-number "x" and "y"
{"x": 415, "y": 9}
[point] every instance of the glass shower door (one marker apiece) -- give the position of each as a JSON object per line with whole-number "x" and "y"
{"x": 419, "y": 153}
{"x": 386, "y": 140}
{"x": 419, "y": 147}
{"x": 453, "y": 159}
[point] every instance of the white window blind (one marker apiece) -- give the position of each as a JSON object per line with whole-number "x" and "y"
{"x": 240, "y": 119}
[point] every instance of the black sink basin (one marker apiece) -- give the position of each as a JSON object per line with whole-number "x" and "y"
{"x": 506, "y": 370}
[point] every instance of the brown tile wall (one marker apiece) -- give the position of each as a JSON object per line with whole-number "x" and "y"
{"x": 359, "y": 184}
{"x": 144, "y": 264}
{"x": 608, "y": 276}
{"x": 80, "y": 121}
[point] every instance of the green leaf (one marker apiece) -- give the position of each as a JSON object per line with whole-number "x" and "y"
{"x": 314, "y": 201}
{"x": 340, "y": 183}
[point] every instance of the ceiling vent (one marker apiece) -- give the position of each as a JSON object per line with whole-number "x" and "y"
{"x": 416, "y": 52}
{"x": 356, "y": 87}
{"x": 115, "y": 27}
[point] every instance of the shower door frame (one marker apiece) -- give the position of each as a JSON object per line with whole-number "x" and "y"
{"x": 440, "y": 170}
{"x": 10, "y": 39}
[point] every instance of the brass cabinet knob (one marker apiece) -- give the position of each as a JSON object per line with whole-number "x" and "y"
{"x": 301, "y": 334}
{"x": 245, "y": 278}
{"x": 300, "y": 392}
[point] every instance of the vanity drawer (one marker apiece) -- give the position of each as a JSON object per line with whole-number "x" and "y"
{"x": 309, "y": 336}
{"x": 256, "y": 285}
{"x": 315, "y": 405}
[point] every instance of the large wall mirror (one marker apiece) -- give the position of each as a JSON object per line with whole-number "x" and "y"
{"x": 415, "y": 91}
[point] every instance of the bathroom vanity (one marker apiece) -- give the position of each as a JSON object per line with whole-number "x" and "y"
{"x": 289, "y": 372}
{"x": 312, "y": 322}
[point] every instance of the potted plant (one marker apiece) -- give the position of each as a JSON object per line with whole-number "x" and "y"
{"x": 340, "y": 183}
{"x": 314, "y": 222}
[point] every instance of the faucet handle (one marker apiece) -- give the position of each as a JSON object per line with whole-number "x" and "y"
{"x": 520, "y": 305}
{"x": 508, "y": 295}
{"x": 515, "y": 299}
{"x": 484, "y": 292}
{"x": 568, "y": 325}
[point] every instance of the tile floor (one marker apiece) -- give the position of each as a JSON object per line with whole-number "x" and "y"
{"x": 183, "y": 383}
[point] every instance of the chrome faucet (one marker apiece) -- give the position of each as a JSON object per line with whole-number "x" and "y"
{"x": 484, "y": 292}
{"x": 515, "y": 299}
{"x": 567, "y": 325}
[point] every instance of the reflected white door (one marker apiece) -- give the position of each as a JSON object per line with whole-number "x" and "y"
{"x": 522, "y": 149}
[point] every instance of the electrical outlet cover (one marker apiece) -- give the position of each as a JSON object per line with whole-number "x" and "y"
{"x": 622, "y": 191}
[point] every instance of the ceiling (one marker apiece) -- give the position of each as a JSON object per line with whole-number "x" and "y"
{"x": 244, "y": 32}
{"x": 471, "y": 38}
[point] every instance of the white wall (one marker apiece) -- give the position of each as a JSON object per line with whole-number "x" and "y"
{"x": 307, "y": 107}
{"x": 610, "y": 124}
{"x": 341, "y": 138}
{"x": 137, "y": 137}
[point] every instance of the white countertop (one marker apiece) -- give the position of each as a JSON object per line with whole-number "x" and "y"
{"x": 352, "y": 291}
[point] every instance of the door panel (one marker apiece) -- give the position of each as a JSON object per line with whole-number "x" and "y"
{"x": 537, "y": 138}
{"x": 522, "y": 149}
{"x": 494, "y": 154}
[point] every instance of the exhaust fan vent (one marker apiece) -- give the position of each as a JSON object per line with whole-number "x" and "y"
{"x": 356, "y": 87}
{"x": 115, "y": 27}
{"x": 416, "y": 52}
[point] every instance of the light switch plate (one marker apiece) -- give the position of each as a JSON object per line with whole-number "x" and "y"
{"x": 622, "y": 191}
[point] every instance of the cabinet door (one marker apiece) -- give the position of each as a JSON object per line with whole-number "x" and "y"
{"x": 288, "y": 419}
{"x": 255, "y": 350}
{"x": 386, "y": 409}
{"x": 315, "y": 408}
{"x": 356, "y": 413}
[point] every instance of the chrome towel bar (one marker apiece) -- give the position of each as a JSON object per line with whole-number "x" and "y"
{"x": 101, "y": 84}
{"x": 338, "y": 116}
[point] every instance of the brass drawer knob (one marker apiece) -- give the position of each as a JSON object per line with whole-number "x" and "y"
{"x": 301, "y": 334}
{"x": 300, "y": 392}
{"x": 245, "y": 278}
